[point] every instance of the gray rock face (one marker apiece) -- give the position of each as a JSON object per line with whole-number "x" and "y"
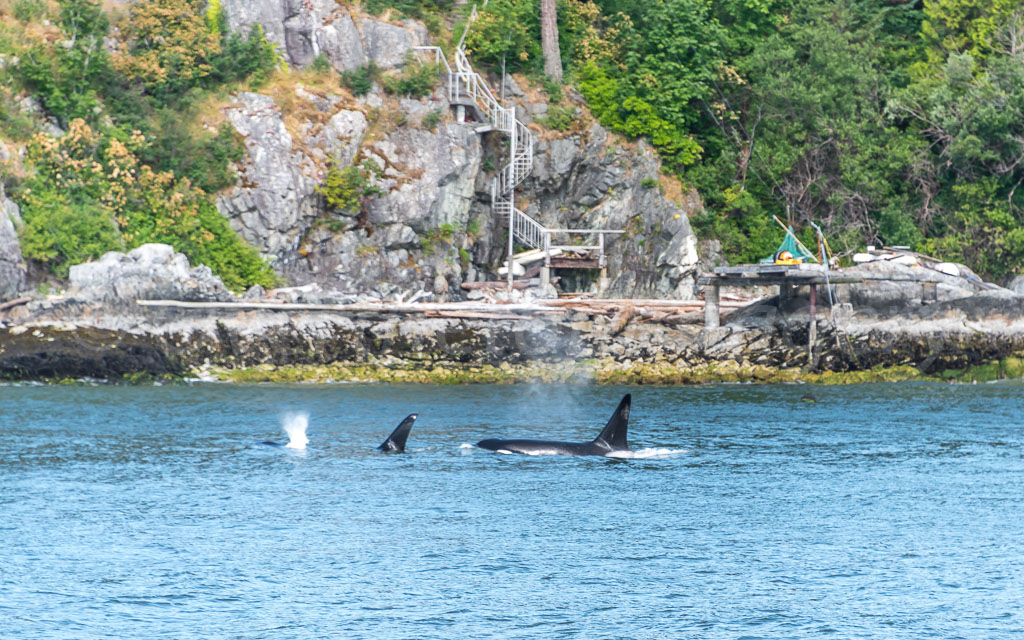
{"x": 12, "y": 266}
{"x": 275, "y": 203}
{"x": 587, "y": 181}
{"x": 305, "y": 29}
{"x": 409, "y": 244}
{"x": 149, "y": 272}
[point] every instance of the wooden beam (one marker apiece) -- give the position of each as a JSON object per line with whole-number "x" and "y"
{"x": 14, "y": 303}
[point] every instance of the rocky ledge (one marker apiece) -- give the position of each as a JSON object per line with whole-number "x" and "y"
{"x": 898, "y": 322}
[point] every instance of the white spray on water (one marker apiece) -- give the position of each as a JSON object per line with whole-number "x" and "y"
{"x": 295, "y": 425}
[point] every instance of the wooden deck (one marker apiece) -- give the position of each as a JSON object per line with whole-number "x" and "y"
{"x": 752, "y": 275}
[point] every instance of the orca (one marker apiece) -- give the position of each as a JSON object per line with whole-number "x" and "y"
{"x": 270, "y": 443}
{"x": 611, "y": 441}
{"x": 396, "y": 441}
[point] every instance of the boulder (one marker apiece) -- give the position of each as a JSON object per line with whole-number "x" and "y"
{"x": 149, "y": 272}
{"x": 889, "y": 286}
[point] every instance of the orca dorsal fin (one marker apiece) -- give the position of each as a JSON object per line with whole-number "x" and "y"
{"x": 396, "y": 441}
{"x": 614, "y": 434}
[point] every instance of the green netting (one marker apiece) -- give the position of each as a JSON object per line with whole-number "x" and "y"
{"x": 789, "y": 244}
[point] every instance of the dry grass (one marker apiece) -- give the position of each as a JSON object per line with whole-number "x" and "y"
{"x": 672, "y": 189}
{"x": 297, "y": 111}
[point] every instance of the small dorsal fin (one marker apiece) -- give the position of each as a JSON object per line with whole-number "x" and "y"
{"x": 614, "y": 434}
{"x": 396, "y": 441}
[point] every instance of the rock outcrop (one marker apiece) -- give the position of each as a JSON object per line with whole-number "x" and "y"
{"x": 596, "y": 180}
{"x": 274, "y": 203}
{"x": 306, "y": 29}
{"x": 12, "y": 266}
{"x": 149, "y": 272}
{"x": 97, "y": 332}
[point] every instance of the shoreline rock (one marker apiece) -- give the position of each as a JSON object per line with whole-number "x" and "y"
{"x": 97, "y": 329}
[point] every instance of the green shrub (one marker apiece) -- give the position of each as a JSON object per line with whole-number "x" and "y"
{"x": 649, "y": 183}
{"x": 15, "y": 124}
{"x": 347, "y": 189}
{"x": 60, "y": 233}
{"x": 418, "y": 81}
{"x": 431, "y": 120}
{"x": 94, "y": 190}
{"x": 251, "y": 57}
{"x": 204, "y": 159}
{"x": 553, "y": 89}
{"x": 67, "y": 79}
{"x": 26, "y": 11}
{"x": 558, "y": 117}
{"x": 320, "y": 65}
{"x": 360, "y": 81}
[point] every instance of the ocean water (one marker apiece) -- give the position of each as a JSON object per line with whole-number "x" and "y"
{"x": 879, "y": 511}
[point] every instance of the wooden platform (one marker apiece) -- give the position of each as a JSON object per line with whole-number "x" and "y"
{"x": 752, "y": 275}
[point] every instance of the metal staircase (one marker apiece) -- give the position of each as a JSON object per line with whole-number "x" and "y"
{"x": 468, "y": 90}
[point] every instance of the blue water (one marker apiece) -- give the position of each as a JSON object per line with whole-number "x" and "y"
{"x": 880, "y": 511}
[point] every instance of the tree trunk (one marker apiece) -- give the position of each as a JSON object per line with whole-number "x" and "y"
{"x": 549, "y": 40}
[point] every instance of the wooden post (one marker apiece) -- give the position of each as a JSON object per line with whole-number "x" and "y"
{"x": 812, "y": 329}
{"x": 602, "y": 263}
{"x": 545, "y": 271}
{"x": 712, "y": 319}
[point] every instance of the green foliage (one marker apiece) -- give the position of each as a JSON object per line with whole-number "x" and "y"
{"x": 431, "y": 120}
{"x": 649, "y": 183}
{"x": 553, "y": 89}
{"x": 61, "y": 233}
{"x": 174, "y": 47}
{"x": 507, "y": 30}
{"x": 616, "y": 109}
{"x": 443, "y": 234}
{"x": 965, "y": 26}
{"x": 66, "y": 79}
{"x": 320, "y": 65}
{"x": 90, "y": 193}
{"x": 250, "y": 57}
{"x": 360, "y": 81}
{"x": 346, "y": 190}
{"x": 413, "y": 8}
{"x": 558, "y": 117}
{"x": 417, "y": 81}
{"x": 15, "y": 124}
{"x": 26, "y": 11}
{"x": 203, "y": 159}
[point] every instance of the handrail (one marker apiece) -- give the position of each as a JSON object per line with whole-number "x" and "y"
{"x": 583, "y": 231}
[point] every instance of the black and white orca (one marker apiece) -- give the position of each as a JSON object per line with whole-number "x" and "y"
{"x": 610, "y": 442}
{"x": 396, "y": 441}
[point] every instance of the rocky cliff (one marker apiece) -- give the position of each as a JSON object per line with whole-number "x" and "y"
{"x": 431, "y": 228}
{"x": 12, "y": 267}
